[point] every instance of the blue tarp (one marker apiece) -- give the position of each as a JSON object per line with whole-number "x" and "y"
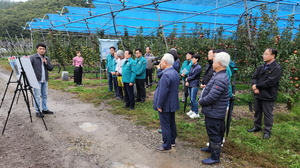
{"x": 168, "y": 15}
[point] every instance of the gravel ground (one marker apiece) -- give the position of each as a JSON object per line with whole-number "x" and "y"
{"x": 81, "y": 135}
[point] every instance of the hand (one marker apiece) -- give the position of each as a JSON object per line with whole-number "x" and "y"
{"x": 130, "y": 84}
{"x": 113, "y": 73}
{"x": 187, "y": 84}
{"x": 256, "y": 91}
{"x": 159, "y": 109}
{"x": 45, "y": 60}
{"x": 254, "y": 87}
{"x": 202, "y": 86}
{"x": 182, "y": 75}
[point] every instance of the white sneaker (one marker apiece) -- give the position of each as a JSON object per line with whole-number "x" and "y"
{"x": 190, "y": 113}
{"x": 194, "y": 115}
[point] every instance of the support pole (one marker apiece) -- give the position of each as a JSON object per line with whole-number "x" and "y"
{"x": 247, "y": 20}
{"x": 160, "y": 24}
{"x": 115, "y": 27}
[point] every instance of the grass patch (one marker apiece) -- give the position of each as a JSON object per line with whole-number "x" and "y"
{"x": 242, "y": 87}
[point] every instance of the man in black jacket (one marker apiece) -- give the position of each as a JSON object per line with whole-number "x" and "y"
{"x": 41, "y": 65}
{"x": 208, "y": 70}
{"x": 265, "y": 83}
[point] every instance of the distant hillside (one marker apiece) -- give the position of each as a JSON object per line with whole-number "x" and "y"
{"x": 14, "y": 15}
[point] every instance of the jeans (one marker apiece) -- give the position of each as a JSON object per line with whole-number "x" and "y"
{"x": 193, "y": 96}
{"x": 41, "y": 93}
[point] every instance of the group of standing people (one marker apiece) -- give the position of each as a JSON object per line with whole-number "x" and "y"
{"x": 129, "y": 72}
{"x": 214, "y": 98}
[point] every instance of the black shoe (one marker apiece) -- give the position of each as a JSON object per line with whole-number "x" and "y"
{"x": 39, "y": 115}
{"x": 142, "y": 101}
{"x": 254, "y": 129}
{"x": 161, "y": 149}
{"x": 47, "y": 112}
{"x": 137, "y": 101}
{"x": 266, "y": 136}
{"x": 131, "y": 108}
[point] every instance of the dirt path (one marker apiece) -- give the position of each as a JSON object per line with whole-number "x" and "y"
{"x": 108, "y": 141}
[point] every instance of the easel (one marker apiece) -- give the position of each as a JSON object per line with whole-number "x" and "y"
{"x": 22, "y": 89}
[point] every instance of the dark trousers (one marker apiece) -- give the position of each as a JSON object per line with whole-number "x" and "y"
{"x": 115, "y": 84}
{"x": 168, "y": 128}
{"x": 110, "y": 82}
{"x": 265, "y": 107}
{"x": 78, "y": 75}
{"x": 148, "y": 76}
{"x": 129, "y": 95}
{"x": 215, "y": 129}
{"x": 140, "y": 89}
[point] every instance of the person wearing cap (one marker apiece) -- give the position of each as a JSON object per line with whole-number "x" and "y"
{"x": 184, "y": 71}
{"x": 192, "y": 82}
{"x": 214, "y": 101}
{"x": 141, "y": 64}
{"x": 120, "y": 87}
{"x": 128, "y": 79}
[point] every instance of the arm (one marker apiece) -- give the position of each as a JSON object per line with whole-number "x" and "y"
{"x": 272, "y": 79}
{"x": 254, "y": 77}
{"x": 195, "y": 75}
{"x": 164, "y": 85}
{"x": 214, "y": 94}
{"x": 73, "y": 61}
{"x": 48, "y": 64}
{"x": 133, "y": 72}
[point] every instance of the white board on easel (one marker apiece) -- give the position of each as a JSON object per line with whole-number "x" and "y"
{"x": 29, "y": 72}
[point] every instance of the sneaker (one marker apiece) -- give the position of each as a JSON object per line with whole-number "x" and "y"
{"x": 190, "y": 113}
{"x": 194, "y": 115}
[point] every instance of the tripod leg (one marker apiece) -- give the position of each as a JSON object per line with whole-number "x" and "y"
{"x": 11, "y": 104}
{"x": 38, "y": 108}
{"x": 18, "y": 97}
{"x": 6, "y": 88}
{"x": 26, "y": 99}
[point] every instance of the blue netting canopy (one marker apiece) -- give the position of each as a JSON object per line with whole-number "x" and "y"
{"x": 149, "y": 16}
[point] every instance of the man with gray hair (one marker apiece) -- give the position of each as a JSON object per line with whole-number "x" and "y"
{"x": 166, "y": 102}
{"x": 120, "y": 61}
{"x": 214, "y": 102}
